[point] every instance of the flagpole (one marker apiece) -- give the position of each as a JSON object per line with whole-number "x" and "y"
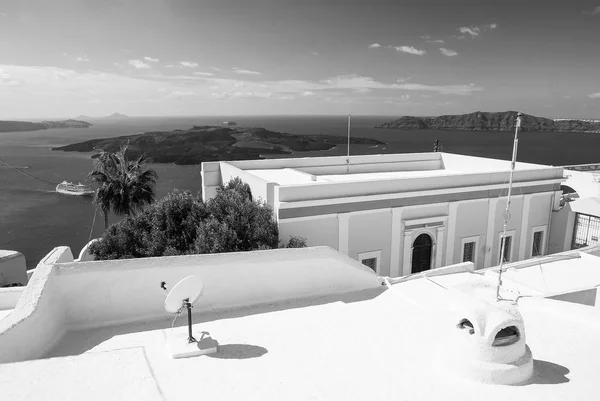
{"x": 507, "y": 211}
{"x": 348, "y": 156}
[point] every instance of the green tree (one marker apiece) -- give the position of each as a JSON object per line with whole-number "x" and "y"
{"x": 181, "y": 223}
{"x": 124, "y": 186}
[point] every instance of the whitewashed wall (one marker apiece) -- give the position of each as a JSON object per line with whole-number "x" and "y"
{"x": 78, "y": 295}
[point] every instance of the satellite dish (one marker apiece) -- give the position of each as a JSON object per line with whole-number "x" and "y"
{"x": 187, "y": 290}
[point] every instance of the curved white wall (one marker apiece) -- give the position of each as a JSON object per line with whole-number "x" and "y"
{"x": 64, "y": 294}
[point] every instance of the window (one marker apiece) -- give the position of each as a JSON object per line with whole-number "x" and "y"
{"x": 507, "y": 248}
{"x": 538, "y": 241}
{"x": 586, "y": 231}
{"x": 371, "y": 260}
{"x": 536, "y": 248}
{"x": 469, "y": 247}
{"x": 371, "y": 263}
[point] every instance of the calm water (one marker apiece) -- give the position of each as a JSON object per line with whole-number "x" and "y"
{"x": 34, "y": 218}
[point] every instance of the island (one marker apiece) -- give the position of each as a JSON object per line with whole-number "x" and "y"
{"x": 212, "y": 143}
{"x": 16, "y": 126}
{"x": 492, "y": 121}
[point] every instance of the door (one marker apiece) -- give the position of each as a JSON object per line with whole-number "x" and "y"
{"x": 421, "y": 256}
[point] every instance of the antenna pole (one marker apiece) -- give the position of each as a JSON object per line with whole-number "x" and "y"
{"x": 507, "y": 211}
{"x": 188, "y": 306}
{"x": 348, "y": 157}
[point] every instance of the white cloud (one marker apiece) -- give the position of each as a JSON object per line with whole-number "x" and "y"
{"x": 374, "y": 46}
{"x": 138, "y": 64}
{"x": 183, "y": 93}
{"x": 204, "y": 74}
{"x": 473, "y": 31}
{"x": 410, "y": 50}
{"x": 241, "y": 95}
{"x": 494, "y": 26}
{"x": 428, "y": 39}
{"x": 448, "y": 52}
{"x": 595, "y": 95}
{"x": 314, "y": 53}
{"x": 152, "y": 60}
{"x": 82, "y": 58}
{"x": 596, "y": 11}
{"x": 7, "y": 80}
{"x": 110, "y": 90}
{"x": 3, "y": 15}
{"x": 189, "y": 64}
{"x": 245, "y": 72}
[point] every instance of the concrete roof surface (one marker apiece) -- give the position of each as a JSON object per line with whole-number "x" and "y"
{"x": 380, "y": 346}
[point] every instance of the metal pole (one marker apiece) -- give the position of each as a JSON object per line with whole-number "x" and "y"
{"x": 348, "y": 156}
{"x": 188, "y": 305}
{"x": 507, "y": 211}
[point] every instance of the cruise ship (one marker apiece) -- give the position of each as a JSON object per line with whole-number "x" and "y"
{"x": 78, "y": 189}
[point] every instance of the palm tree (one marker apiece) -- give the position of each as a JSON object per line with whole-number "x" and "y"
{"x": 125, "y": 186}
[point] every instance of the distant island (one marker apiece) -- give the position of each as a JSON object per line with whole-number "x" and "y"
{"x": 486, "y": 121}
{"x": 113, "y": 116}
{"x": 210, "y": 143}
{"x": 17, "y": 126}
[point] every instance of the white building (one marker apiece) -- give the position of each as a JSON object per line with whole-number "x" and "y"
{"x": 405, "y": 213}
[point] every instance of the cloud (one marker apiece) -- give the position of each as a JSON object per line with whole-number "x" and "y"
{"x": 473, "y": 31}
{"x": 595, "y": 95}
{"x": 7, "y": 80}
{"x": 152, "y": 60}
{"x": 182, "y": 93}
{"x": 314, "y": 53}
{"x": 189, "y": 64}
{"x": 245, "y": 72}
{"x": 138, "y": 64}
{"x": 410, "y": 50}
{"x": 3, "y": 15}
{"x": 596, "y": 10}
{"x": 428, "y": 39}
{"x": 83, "y": 58}
{"x": 448, "y": 52}
{"x": 374, "y": 46}
{"x": 204, "y": 74}
{"x": 53, "y": 90}
{"x": 241, "y": 95}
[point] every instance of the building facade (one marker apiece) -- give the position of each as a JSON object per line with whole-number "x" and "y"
{"x": 404, "y": 213}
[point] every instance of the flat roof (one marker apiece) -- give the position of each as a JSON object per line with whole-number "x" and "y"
{"x": 384, "y": 175}
{"x": 380, "y": 345}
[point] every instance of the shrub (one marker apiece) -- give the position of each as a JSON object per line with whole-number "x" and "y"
{"x": 181, "y": 223}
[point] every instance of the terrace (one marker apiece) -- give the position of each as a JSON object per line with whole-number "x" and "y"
{"x": 294, "y": 324}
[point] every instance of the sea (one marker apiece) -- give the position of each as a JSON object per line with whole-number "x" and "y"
{"x": 34, "y": 218}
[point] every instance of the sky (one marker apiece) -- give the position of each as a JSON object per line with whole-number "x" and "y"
{"x": 64, "y": 58}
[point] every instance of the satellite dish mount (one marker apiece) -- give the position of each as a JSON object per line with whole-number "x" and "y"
{"x": 183, "y": 295}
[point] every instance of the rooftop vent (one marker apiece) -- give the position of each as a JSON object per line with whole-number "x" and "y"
{"x": 466, "y": 324}
{"x": 507, "y": 336}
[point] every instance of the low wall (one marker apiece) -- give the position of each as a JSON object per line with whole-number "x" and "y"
{"x": 71, "y": 295}
{"x": 13, "y": 268}
{"x": 9, "y": 297}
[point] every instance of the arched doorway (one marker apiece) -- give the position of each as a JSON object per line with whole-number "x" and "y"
{"x": 421, "y": 256}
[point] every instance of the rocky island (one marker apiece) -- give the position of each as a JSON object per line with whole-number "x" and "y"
{"x": 486, "y": 121}
{"x": 15, "y": 126}
{"x": 210, "y": 143}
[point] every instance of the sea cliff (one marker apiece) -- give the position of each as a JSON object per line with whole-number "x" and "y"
{"x": 209, "y": 143}
{"x": 486, "y": 121}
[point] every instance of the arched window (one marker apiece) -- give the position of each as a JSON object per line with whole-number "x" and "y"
{"x": 421, "y": 255}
